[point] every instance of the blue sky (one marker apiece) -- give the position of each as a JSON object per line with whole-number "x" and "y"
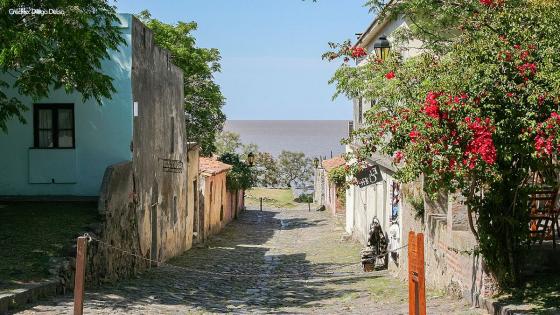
{"x": 271, "y": 51}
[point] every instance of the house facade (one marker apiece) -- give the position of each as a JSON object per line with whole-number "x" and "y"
{"x": 131, "y": 152}
{"x": 325, "y": 193}
{"x": 218, "y": 206}
{"x": 66, "y": 144}
{"x": 450, "y": 262}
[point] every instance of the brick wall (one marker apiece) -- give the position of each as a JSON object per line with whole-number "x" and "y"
{"x": 451, "y": 264}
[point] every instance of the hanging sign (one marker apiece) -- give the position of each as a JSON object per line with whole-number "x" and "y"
{"x": 369, "y": 176}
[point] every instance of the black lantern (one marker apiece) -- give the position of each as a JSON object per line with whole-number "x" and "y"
{"x": 316, "y": 162}
{"x": 250, "y": 158}
{"x": 382, "y": 47}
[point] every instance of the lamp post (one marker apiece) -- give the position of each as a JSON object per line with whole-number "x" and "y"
{"x": 250, "y": 158}
{"x": 316, "y": 162}
{"x": 382, "y": 47}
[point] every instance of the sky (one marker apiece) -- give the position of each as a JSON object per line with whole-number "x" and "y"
{"x": 271, "y": 51}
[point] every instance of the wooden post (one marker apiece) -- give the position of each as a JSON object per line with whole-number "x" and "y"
{"x": 411, "y": 264}
{"x": 416, "y": 274}
{"x": 81, "y": 253}
{"x": 261, "y": 203}
{"x": 309, "y": 207}
{"x": 420, "y": 268}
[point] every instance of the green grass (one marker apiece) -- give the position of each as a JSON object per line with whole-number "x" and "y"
{"x": 272, "y": 197}
{"x": 541, "y": 293}
{"x": 33, "y": 232}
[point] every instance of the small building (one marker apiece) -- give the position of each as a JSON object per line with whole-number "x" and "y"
{"x": 217, "y": 205}
{"x": 326, "y": 192}
{"x": 131, "y": 152}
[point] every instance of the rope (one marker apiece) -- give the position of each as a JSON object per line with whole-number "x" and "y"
{"x": 229, "y": 274}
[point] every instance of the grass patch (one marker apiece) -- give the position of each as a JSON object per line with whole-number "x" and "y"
{"x": 541, "y": 293}
{"x": 33, "y": 232}
{"x": 387, "y": 290}
{"x": 272, "y": 197}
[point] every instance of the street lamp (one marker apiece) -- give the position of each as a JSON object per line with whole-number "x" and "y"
{"x": 250, "y": 158}
{"x": 382, "y": 47}
{"x": 316, "y": 162}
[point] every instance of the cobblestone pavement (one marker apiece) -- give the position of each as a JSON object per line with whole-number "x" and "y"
{"x": 275, "y": 261}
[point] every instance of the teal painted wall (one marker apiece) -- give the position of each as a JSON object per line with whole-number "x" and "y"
{"x": 103, "y": 134}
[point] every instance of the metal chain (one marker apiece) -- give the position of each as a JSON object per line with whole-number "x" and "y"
{"x": 229, "y": 274}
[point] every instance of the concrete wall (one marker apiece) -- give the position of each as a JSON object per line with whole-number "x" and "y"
{"x": 160, "y": 149}
{"x": 102, "y": 136}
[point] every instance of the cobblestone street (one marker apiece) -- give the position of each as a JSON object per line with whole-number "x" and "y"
{"x": 276, "y": 261}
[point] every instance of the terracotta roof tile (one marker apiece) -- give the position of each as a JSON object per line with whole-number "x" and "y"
{"x": 333, "y": 163}
{"x": 212, "y": 166}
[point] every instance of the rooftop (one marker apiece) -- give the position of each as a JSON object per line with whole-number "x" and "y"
{"x": 212, "y": 166}
{"x": 333, "y": 163}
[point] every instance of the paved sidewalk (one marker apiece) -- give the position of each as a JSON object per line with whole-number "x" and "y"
{"x": 276, "y": 261}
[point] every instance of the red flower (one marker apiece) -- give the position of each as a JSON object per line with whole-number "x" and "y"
{"x": 452, "y": 164}
{"x": 413, "y": 135}
{"x": 432, "y": 111}
{"x": 431, "y": 107}
{"x": 358, "y": 52}
{"x": 481, "y": 145}
{"x": 398, "y": 156}
{"x": 487, "y": 2}
{"x": 390, "y": 75}
{"x": 530, "y": 67}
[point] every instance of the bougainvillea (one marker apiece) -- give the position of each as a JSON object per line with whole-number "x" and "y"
{"x": 358, "y": 52}
{"x": 474, "y": 112}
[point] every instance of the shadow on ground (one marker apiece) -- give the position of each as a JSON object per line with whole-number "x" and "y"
{"x": 235, "y": 270}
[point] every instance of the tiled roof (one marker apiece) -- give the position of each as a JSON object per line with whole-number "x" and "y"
{"x": 212, "y": 166}
{"x": 333, "y": 163}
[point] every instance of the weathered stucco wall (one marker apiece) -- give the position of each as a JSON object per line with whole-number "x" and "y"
{"x": 217, "y": 205}
{"x": 144, "y": 203}
{"x": 235, "y": 203}
{"x": 214, "y": 192}
{"x": 192, "y": 191}
{"x": 159, "y": 149}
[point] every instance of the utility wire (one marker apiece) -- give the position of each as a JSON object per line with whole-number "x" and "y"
{"x": 236, "y": 274}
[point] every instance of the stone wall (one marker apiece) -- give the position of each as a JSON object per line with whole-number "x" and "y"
{"x": 119, "y": 227}
{"x": 450, "y": 263}
{"x": 145, "y": 206}
{"x": 159, "y": 149}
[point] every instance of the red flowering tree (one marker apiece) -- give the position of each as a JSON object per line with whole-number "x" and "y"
{"x": 475, "y": 111}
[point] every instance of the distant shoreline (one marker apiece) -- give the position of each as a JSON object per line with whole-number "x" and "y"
{"x": 315, "y": 138}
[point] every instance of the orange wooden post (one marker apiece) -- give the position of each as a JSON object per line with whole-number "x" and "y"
{"x": 411, "y": 269}
{"x": 420, "y": 269}
{"x": 416, "y": 275}
{"x": 80, "y": 276}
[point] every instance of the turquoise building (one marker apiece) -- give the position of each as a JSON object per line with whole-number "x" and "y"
{"x": 66, "y": 144}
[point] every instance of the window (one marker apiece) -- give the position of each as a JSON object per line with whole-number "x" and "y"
{"x": 53, "y": 125}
